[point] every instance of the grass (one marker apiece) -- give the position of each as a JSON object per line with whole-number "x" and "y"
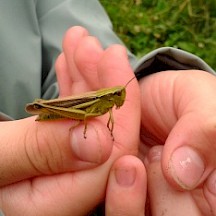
{"x": 145, "y": 25}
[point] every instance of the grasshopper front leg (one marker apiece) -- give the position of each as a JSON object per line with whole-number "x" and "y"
{"x": 111, "y": 120}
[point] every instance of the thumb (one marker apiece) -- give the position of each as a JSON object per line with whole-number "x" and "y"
{"x": 189, "y": 152}
{"x": 30, "y": 148}
{"x": 178, "y": 109}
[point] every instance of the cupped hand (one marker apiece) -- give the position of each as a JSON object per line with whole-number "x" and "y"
{"x": 45, "y": 166}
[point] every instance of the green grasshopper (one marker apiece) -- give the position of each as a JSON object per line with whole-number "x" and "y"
{"x": 81, "y": 107}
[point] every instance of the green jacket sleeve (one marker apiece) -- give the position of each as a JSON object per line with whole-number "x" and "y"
{"x": 31, "y": 36}
{"x": 168, "y": 58}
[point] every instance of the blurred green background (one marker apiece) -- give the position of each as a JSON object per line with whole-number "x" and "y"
{"x": 145, "y": 25}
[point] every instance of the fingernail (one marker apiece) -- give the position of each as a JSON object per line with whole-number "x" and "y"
{"x": 83, "y": 148}
{"x": 155, "y": 154}
{"x": 211, "y": 183}
{"x": 187, "y": 167}
{"x": 125, "y": 177}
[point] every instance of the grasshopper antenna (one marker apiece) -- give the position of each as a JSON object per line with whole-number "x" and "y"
{"x": 130, "y": 81}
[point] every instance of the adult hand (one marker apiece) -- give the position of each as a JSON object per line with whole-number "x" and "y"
{"x": 178, "y": 110}
{"x": 46, "y": 162}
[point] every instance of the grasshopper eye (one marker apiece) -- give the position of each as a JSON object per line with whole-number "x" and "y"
{"x": 36, "y": 106}
{"x": 118, "y": 93}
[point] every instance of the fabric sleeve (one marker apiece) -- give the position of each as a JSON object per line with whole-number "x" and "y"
{"x": 31, "y": 48}
{"x": 168, "y": 58}
{"x": 55, "y": 17}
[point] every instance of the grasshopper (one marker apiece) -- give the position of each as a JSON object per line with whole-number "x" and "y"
{"x": 81, "y": 107}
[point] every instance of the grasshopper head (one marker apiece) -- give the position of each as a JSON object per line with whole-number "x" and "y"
{"x": 119, "y": 97}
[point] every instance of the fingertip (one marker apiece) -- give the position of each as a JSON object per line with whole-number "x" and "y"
{"x": 60, "y": 62}
{"x": 63, "y": 77}
{"x": 72, "y": 36}
{"x": 126, "y": 190}
{"x": 115, "y": 64}
{"x": 154, "y": 154}
{"x": 186, "y": 168}
{"x": 95, "y": 146}
{"x": 86, "y": 58}
{"x": 128, "y": 166}
{"x": 70, "y": 42}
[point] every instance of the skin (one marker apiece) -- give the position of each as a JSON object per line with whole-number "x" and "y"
{"x": 48, "y": 167}
{"x": 180, "y": 115}
{"x": 48, "y": 163}
{"x": 164, "y": 199}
